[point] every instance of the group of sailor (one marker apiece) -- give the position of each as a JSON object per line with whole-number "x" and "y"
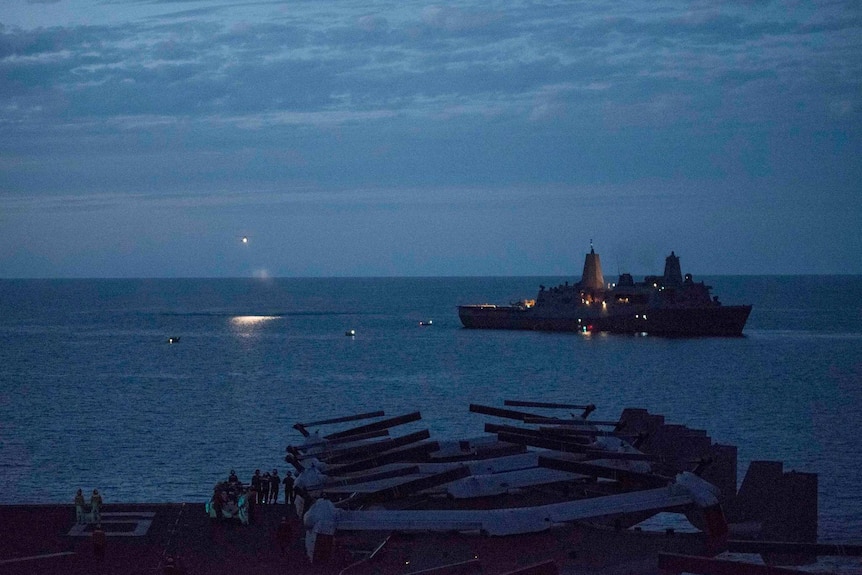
{"x": 267, "y": 486}
{"x": 81, "y": 514}
{"x": 229, "y": 501}
{"x": 232, "y": 499}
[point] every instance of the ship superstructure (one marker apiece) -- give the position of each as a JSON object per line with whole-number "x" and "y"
{"x": 670, "y": 304}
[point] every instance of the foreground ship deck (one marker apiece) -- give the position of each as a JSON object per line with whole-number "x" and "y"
{"x": 668, "y": 305}
{"x": 36, "y": 540}
{"x": 407, "y": 505}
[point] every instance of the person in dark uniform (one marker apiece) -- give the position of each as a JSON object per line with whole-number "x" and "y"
{"x": 284, "y": 535}
{"x": 79, "y": 507}
{"x": 232, "y": 478}
{"x": 274, "y": 484}
{"x": 99, "y": 542}
{"x": 264, "y": 487}
{"x": 173, "y": 566}
{"x": 251, "y": 499}
{"x": 218, "y": 502}
{"x": 96, "y": 506}
{"x": 288, "y": 488}
{"x": 255, "y": 485}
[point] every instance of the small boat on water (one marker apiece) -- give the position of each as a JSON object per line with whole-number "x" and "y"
{"x": 669, "y": 304}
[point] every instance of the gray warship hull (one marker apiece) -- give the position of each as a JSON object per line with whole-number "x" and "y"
{"x": 679, "y": 322}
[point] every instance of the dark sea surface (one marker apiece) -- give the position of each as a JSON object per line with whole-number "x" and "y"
{"x": 93, "y": 395}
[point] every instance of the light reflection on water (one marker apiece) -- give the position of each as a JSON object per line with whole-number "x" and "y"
{"x": 245, "y": 321}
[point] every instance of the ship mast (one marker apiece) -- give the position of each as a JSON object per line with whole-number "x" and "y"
{"x": 672, "y": 271}
{"x": 592, "y": 277}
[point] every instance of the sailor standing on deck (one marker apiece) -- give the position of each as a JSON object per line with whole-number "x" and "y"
{"x": 264, "y": 487}
{"x": 288, "y": 488}
{"x": 255, "y": 485}
{"x": 79, "y": 506}
{"x": 284, "y": 534}
{"x": 99, "y": 542}
{"x": 96, "y": 506}
{"x": 274, "y": 484}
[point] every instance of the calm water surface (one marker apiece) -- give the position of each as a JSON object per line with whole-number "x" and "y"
{"x": 92, "y": 395}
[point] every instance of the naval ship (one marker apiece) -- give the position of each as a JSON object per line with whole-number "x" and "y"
{"x": 668, "y": 305}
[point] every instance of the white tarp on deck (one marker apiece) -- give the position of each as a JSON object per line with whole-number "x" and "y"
{"x": 515, "y": 520}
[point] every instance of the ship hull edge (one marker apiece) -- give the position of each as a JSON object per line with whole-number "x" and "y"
{"x": 727, "y": 321}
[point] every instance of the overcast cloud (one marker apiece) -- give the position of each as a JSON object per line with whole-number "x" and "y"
{"x": 373, "y": 138}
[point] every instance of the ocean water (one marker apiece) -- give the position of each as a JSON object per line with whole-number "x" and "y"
{"x": 92, "y": 395}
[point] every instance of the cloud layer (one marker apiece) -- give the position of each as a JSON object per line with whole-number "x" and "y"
{"x": 706, "y": 127}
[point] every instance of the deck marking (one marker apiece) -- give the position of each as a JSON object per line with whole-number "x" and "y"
{"x": 140, "y": 519}
{"x": 36, "y": 557}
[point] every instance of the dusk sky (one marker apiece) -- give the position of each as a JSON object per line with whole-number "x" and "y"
{"x": 146, "y": 138}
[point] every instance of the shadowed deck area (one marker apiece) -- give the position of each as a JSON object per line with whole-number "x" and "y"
{"x": 44, "y": 539}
